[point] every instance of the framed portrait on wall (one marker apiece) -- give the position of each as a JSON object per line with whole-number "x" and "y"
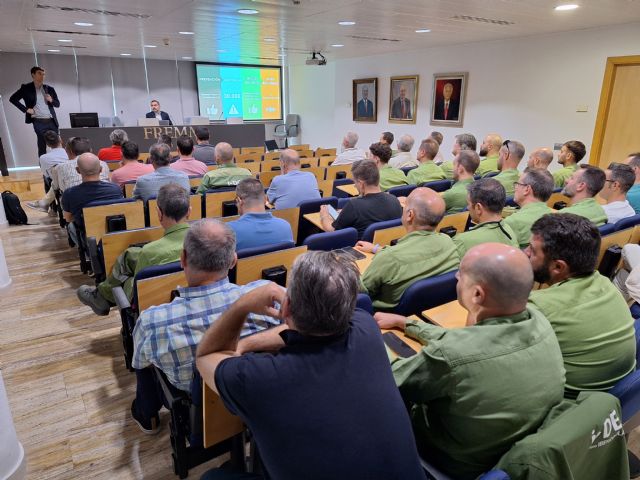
{"x": 365, "y": 100}
{"x": 403, "y": 99}
{"x": 448, "y": 99}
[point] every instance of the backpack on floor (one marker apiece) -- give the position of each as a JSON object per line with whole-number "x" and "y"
{"x": 13, "y": 209}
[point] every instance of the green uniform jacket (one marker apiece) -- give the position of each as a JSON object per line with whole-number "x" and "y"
{"x": 456, "y": 197}
{"x": 483, "y": 233}
{"x": 507, "y": 178}
{"x": 521, "y": 220}
{"x": 475, "y": 391}
{"x": 417, "y": 255}
{"x": 594, "y": 328}
{"x": 447, "y": 169}
{"x": 391, "y": 177}
{"x": 560, "y": 176}
{"x": 488, "y": 165}
{"x": 588, "y": 208}
{"x": 426, "y": 172}
{"x": 223, "y": 176}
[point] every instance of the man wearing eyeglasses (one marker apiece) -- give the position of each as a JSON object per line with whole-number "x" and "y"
{"x": 581, "y": 188}
{"x": 619, "y": 179}
{"x": 531, "y": 193}
{"x": 509, "y": 158}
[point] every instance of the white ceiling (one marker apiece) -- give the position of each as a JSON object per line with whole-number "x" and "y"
{"x": 296, "y": 26}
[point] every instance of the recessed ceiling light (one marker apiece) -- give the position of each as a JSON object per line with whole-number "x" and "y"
{"x": 346, "y": 23}
{"x": 423, "y": 30}
{"x": 149, "y": 46}
{"x": 65, "y": 40}
{"x": 247, "y": 11}
{"x": 53, "y": 50}
{"x": 568, "y": 6}
{"x": 187, "y": 58}
{"x": 337, "y": 45}
{"x": 125, "y": 54}
{"x": 186, "y": 33}
{"x": 269, "y": 39}
{"x": 83, "y": 24}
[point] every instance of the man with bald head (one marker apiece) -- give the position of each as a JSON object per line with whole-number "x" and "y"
{"x": 421, "y": 253}
{"x": 509, "y": 158}
{"x": 294, "y": 185}
{"x": 475, "y": 391}
{"x": 490, "y": 149}
{"x": 227, "y": 174}
{"x": 92, "y": 189}
{"x": 540, "y": 158}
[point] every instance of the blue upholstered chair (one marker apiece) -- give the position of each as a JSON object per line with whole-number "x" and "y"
{"x": 628, "y": 222}
{"x": 427, "y": 293}
{"x": 606, "y": 229}
{"x": 438, "y": 185}
{"x": 347, "y": 237}
{"x": 402, "y": 190}
{"x": 306, "y": 228}
{"x": 367, "y": 235}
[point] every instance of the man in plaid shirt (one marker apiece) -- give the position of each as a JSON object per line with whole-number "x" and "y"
{"x": 167, "y": 335}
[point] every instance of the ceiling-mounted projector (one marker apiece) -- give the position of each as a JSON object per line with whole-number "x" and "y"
{"x": 314, "y": 60}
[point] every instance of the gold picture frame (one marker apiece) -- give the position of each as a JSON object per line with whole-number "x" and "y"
{"x": 403, "y": 99}
{"x": 451, "y": 87}
{"x": 365, "y": 100}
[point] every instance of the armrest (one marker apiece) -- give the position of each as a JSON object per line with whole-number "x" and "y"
{"x": 121, "y": 298}
{"x": 284, "y": 130}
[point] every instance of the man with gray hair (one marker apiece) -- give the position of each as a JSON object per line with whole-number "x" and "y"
{"x": 463, "y": 141}
{"x": 294, "y": 185}
{"x": 509, "y": 158}
{"x": 540, "y": 158}
{"x": 619, "y": 179}
{"x": 404, "y": 157}
{"x": 173, "y": 210}
{"x": 394, "y": 269}
{"x": 114, "y": 152}
{"x": 167, "y": 335}
{"x": 349, "y": 153}
{"x": 328, "y": 353}
{"x": 227, "y": 174}
{"x": 148, "y": 186}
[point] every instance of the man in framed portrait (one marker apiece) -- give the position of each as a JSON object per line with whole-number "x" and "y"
{"x": 447, "y": 106}
{"x": 401, "y": 107}
{"x": 365, "y": 106}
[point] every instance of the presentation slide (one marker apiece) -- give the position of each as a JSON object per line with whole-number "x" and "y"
{"x": 228, "y": 91}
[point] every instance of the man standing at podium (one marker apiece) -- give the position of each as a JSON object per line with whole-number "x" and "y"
{"x": 39, "y": 102}
{"x": 157, "y": 113}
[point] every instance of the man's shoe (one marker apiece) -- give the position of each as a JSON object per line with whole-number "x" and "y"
{"x": 92, "y": 298}
{"x": 36, "y": 205}
{"x": 150, "y": 427}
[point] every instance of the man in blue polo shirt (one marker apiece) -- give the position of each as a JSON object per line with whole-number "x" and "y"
{"x": 256, "y": 227}
{"x": 324, "y": 403}
{"x": 293, "y": 186}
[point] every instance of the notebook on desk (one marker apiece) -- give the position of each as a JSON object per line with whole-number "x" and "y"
{"x": 271, "y": 145}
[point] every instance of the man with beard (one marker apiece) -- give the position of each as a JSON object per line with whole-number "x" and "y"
{"x": 490, "y": 149}
{"x": 570, "y": 154}
{"x": 581, "y": 188}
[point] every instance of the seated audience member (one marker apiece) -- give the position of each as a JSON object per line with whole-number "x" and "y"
{"x": 540, "y": 158}
{"x": 438, "y": 137}
{"x": 167, "y": 335}
{"x": 633, "y": 195}
{"x": 131, "y": 168}
{"x": 627, "y": 279}
{"x": 373, "y": 205}
{"x": 65, "y": 175}
{"x": 91, "y": 189}
{"x": 427, "y": 171}
{"x": 256, "y": 227}
{"x": 326, "y": 353}
{"x": 389, "y": 177}
{"x": 490, "y": 150}
{"x": 581, "y": 188}
{"x": 349, "y": 153}
{"x": 173, "y": 210}
{"x": 168, "y": 141}
{"x": 511, "y": 153}
{"x": 294, "y": 185}
{"x": 114, "y": 152}
{"x": 475, "y": 391}
{"x": 404, "y": 158}
{"x": 387, "y": 138}
{"x": 421, "y": 253}
{"x": 55, "y": 156}
{"x": 463, "y": 141}
{"x": 148, "y": 186}
{"x": 485, "y": 201}
{"x": 464, "y": 167}
{"x": 531, "y": 194}
{"x": 591, "y": 319}
{"x": 186, "y": 163}
{"x": 227, "y": 174}
{"x": 203, "y": 151}
{"x": 570, "y": 154}
{"x": 619, "y": 179}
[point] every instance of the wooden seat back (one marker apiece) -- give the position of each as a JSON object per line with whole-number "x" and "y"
{"x": 250, "y": 269}
{"x": 324, "y": 152}
{"x": 114, "y": 244}
{"x": 258, "y": 150}
{"x": 250, "y": 157}
{"x": 95, "y": 217}
{"x": 332, "y": 171}
{"x": 213, "y": 202}
{"x": 271, "y": 156}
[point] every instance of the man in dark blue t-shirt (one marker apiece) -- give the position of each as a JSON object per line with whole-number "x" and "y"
{"x": 92, "y": 189}
{"x": 324, "y": 404}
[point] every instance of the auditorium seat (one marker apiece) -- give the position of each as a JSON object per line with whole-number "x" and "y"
{"x": 305, "y": 227}
{"x": 438, "y": 185}
{"x": 367, "y": 235}
{"x": 402, "y": 190}
{"x": 427, "y": 293}
{"x": 627, "y": 223}
{"x": 336, "y": 192}
{"x": 347, "y": 237}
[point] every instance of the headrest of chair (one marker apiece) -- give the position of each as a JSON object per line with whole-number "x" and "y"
{"x": 367, "y": 235}
{"x": 157, "y": 270}
{"x": 99, "y": 203}
{"x": 428, "y": 293}
{"x": 273, "y": 247}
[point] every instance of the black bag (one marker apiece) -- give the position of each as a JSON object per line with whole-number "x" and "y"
{"x": 13, "y": 209}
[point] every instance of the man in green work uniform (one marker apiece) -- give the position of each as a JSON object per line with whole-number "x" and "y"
{"x": 531, "y": 193}
{"x": 173, "y": 211}
{"x": 464, "y": 167}
{"x": 570, "y": 154}
{"x": 475, "y": 391}
{"x": 511, "y": 153}
{"x": 463, "y": 141}
{"x": 389, "y": 177}
{"x": 421, "y": 253}
{"x": 427, "y": 171}
{"x": 227, "y": 174}
{"x": 485, "y": 201}
{"x": 591, "y": 319}
{"x": 581, "y": 188}
{"x": 490, "y": 150}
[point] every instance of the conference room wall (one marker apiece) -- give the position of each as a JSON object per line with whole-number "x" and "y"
{"x": 526, "y": 89}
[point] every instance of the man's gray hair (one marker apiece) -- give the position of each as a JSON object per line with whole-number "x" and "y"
{"x": 250, "y": 190}
{"x": 540, "y": 181}
{"x": 515, "y": 149}
{"x": 467, "y": 141}
{"x": 225, "y": 152}
{"x": 210, "y": 246}
{"x": 173, "y": 201}
{"x": 118, "y": 137}
{"x": 405, "y": 143}
{"x": 430, "y": 147}
{"x": 160, "y": 154}
{"x": 322, "y": 293}
{"x": 425, "y": 216}
{"x": 290, "y": 157}
{"x": 351, "y": 139}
